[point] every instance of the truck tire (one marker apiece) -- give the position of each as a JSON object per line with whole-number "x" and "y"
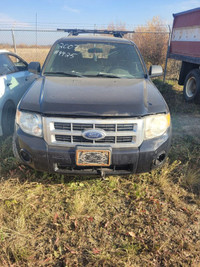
{"x": 8, "y": 118}
{"x": 191, "y": 90}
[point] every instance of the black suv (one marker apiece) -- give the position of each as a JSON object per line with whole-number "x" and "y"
{"x": 93, "y": 110}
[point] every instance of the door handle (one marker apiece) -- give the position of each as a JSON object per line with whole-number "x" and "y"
{"x": 8, "y": 84}
{"x": 26, "y": 79}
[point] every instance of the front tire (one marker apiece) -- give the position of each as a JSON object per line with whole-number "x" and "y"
{"x": 191, "y": 90}
{"x": 14, "y": 148}
{"x": 8, "y": 118}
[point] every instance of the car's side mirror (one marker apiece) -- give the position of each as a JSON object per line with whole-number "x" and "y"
{"x": 34, "y": 67}
{"x": 155, "y": 71}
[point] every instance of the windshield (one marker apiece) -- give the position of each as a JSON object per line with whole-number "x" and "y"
{"x": 94, "y": 59}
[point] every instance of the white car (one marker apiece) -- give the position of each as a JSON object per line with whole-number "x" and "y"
{"x": 15, "y": 79}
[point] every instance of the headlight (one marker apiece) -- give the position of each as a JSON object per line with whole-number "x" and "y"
{"x": 156, "y": 125}
{"x": 30, "y": 123}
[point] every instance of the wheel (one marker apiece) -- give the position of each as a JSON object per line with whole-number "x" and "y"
{"x": 14, "y": 147}
{"x": 8, "y": 118}
{"x": 191, "y": 88}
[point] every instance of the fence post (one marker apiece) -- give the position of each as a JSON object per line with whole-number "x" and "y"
{"x": 14, "y": 43}
{"x": 36, "y": 35}
{"x": 167, "y": 54}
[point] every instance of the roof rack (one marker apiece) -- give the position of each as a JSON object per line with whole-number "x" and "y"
{"x": 76, "y": 32}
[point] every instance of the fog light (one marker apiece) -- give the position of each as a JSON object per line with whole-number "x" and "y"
{"x": 25, "y": 156}
{"x": 160, "y": 158}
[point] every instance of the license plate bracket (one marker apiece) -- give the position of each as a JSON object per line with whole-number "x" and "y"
{"x": 93, "y": 156}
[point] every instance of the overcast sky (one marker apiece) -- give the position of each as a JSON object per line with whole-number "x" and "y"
{"x": 90, "y": 12}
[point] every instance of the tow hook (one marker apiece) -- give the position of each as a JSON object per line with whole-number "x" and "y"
{"x": 102, "y": 173}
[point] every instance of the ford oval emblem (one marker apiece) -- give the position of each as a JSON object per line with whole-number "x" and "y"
{"x": 94, "y": 134}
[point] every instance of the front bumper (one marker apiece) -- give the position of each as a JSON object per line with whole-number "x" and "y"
{"x": 62, "y": 159}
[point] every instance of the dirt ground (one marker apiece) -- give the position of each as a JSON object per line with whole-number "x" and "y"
{"x": 186, "y": 124}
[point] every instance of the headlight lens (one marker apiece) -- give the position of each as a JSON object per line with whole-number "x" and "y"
{"x": 156, "y": 125}
{"x": 30, "y": 123}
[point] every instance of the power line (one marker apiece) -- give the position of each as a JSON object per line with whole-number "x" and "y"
{"x": 55, "y": 25}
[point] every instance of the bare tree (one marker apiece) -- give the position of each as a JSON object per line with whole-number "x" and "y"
{"x": 152, "y": 41}
{"x": 121, "y": 26}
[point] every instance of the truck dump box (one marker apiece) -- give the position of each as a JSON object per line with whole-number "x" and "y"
{"x": 185, "y": 39}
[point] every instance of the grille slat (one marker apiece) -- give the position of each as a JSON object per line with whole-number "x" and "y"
{"x": 82, "y": 126}
{"x": 125, "y": 127}
{"x": 124, "y": 139}
{"x": 80, "y": 139}
{"x": 63, "y": 138}
{"x": 62, "y": 126}
{"x": 107, "y": 139}
{"x": 106, "y": 127}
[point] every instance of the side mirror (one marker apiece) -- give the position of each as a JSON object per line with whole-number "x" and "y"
{"x": 34, "y": 67}
{"x": 155, "y": 71}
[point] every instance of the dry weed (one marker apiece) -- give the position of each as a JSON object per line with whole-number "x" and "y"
{"x": 149, "y": 219}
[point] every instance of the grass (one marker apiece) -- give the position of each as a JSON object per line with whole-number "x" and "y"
{"x": 30, "y": 54}
{"x": 173, "y": 94}
{"x": 149, "y": 219}
{"x": 33, "y": 54}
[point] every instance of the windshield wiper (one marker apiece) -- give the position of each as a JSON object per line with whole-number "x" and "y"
{"x": 103, "y": 74}
{"x": 75, "y": 74}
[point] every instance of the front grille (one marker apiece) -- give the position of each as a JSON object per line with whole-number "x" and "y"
{"x": 105, "y": 127}
{"x": 69, "y": 131}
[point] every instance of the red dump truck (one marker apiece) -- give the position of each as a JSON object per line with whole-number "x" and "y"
{"x": 185, "y": 46}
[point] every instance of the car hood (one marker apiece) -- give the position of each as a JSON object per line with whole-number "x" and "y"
{"x": 66, "y": 96}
